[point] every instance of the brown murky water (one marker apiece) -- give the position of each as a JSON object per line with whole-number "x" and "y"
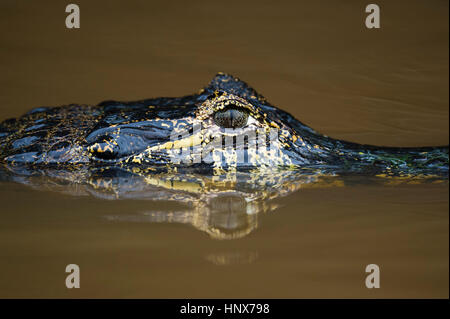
{"x": 314, "y": 59}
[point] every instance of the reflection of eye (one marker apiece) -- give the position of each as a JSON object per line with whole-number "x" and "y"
{"x": 231, "y": 117}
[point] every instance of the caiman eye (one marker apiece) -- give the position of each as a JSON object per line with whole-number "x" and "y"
{"x": 231, "y": 117}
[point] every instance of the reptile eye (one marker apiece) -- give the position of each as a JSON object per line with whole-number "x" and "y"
{"x": 231, "y": 117}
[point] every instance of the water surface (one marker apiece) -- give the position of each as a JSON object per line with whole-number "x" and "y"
{"x": 313, "y": 59}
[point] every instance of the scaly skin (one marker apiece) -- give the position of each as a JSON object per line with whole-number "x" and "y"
{"x": 127, "y": 134}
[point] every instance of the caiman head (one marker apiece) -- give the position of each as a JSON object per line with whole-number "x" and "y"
{"x": 226, "y": 126}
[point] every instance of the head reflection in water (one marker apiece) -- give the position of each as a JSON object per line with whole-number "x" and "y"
{"x": 225, "y": 206}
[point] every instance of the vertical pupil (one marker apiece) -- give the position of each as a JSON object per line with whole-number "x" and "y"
{"x": 233, "y": 117}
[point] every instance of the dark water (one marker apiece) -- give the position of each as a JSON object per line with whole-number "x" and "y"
{"x": 314, "y": 59}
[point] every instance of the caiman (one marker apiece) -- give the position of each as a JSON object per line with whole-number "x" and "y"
{"x": 224, "y": 149}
